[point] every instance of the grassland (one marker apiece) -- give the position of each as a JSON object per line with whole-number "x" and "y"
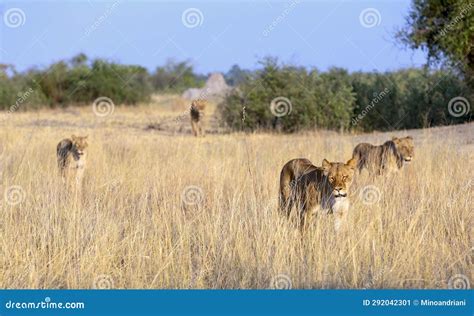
{"x": 162, "y": 209}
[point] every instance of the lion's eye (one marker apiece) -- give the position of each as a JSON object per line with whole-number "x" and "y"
{"x": 344, "y": 178}
{"x": 331, "y": 179}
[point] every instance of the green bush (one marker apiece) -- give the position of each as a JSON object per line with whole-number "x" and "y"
{"x": 74, "y": 83}
{"x": 309, "y": 100}
{"x": 409, "y": 98}
{"x": 176, "y": 77}
{"x": 275, "y": 97}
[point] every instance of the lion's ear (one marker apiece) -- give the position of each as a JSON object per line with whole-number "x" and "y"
{"x": 326, "y": 164}
{"x": 394, "y": 138}
{"x": 409, "y": 137}
{"x": 352, "y": 163}
{"x": 73, "y": 137}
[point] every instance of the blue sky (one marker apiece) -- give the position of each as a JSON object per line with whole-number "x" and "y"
{"x": 357, "y": 35}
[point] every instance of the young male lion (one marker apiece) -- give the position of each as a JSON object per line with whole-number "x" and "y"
{"x": 405, "y": 147}
{"x": 312, "y": 188}
{"x": 197, "y": 113}
{"x": 386, "y": 158}
{"x": 71, "y": 154}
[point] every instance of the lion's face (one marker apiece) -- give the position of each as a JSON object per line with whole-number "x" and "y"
{"x": 80, "y": 143}
{"x": 405, "y": 147}
{"x": 339, "y": 176}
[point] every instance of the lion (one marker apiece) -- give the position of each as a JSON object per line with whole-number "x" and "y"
{"x": 312, "y": 188}
{"x": 71, "y": 154}
{"x": 386, "y": 158}
{"x": 406, "y": 148}
{"x": 197, "y": 113}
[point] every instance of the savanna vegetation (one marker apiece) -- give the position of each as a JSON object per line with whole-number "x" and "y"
{"x": 180, "y": 212}
{"x": 307, "y": 98}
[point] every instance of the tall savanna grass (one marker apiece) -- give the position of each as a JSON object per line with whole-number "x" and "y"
{"x": 178, "y": 212}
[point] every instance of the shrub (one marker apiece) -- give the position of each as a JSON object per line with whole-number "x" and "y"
{"x": 75, "y": 82}
{"x": 310, "y": 100}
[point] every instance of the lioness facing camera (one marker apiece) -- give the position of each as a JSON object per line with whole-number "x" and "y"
{"x": 312, "y": 188}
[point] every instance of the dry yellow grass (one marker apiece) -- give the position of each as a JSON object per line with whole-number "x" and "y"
{"x": 132, "y": 227}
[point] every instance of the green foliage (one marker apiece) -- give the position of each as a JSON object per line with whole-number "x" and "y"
{"x": 176, "y": 77}
{"x": 335, "y": 99}
{"x": 316, "y": 100}
{"x": 75, "y": 82}
{"x": 410, "y": 98}
{"x": 236, "y": 75}
{"x": 445, "y": 29}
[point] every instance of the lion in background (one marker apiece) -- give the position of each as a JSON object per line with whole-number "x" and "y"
{"x": 71, "y": 154}
{"x": 386, "y": 158}
{"x": 197, "y": 112}
{"x": 312, "y": 188}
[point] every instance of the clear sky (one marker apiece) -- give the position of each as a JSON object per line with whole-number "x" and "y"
{"x": 213, "y": 35}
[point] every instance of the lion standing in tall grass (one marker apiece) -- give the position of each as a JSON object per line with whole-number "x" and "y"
{"x": 197, "y": 113}
{"x": 386, "y": 158}
{"x": 312, "y": 188}
{"x": 72, "y": 154}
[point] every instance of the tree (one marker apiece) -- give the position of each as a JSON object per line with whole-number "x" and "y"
{"x": 445, "y": 29}
{"x": 176, "y": 77}
{"x": 289, "y": 98}
{"x": 236, "y": 75}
